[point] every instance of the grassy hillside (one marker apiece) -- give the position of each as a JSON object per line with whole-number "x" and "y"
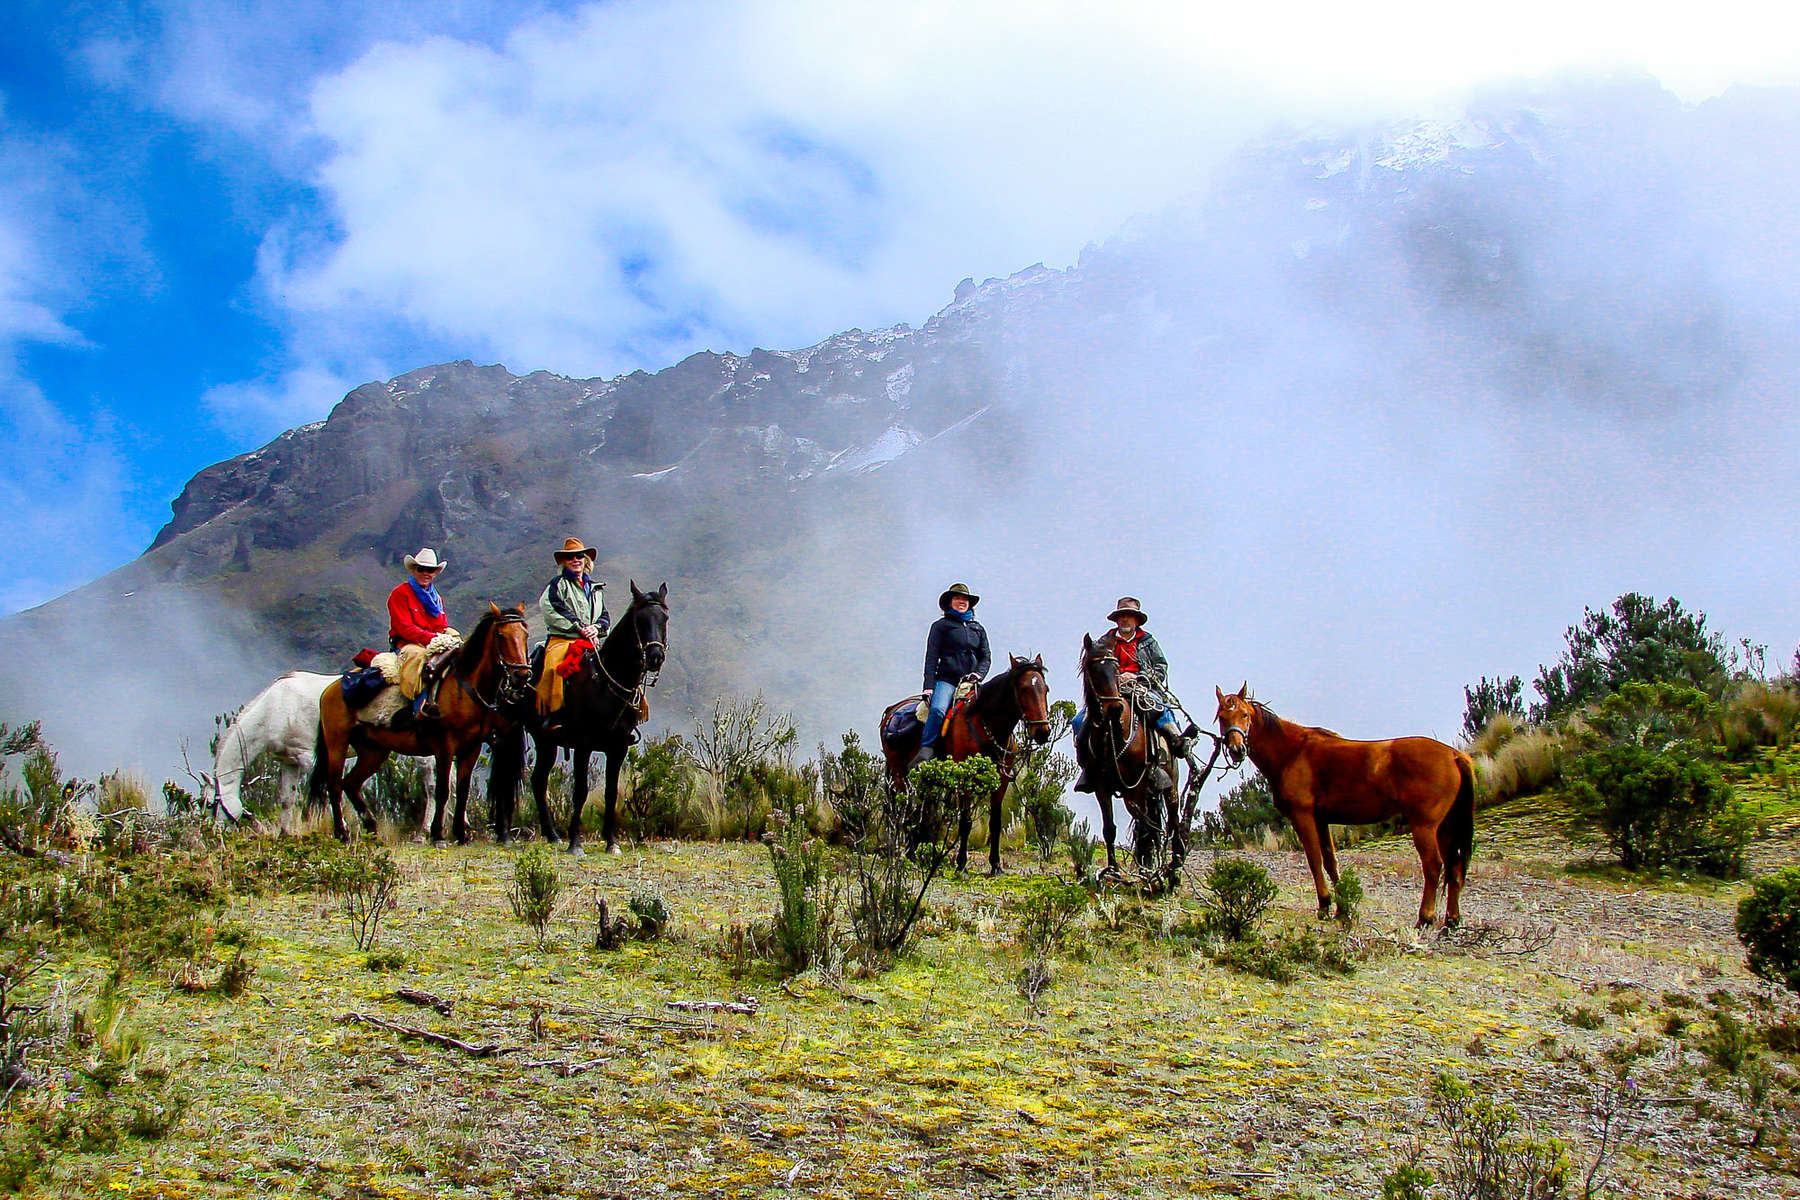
{"x": 1148, "y": 1069}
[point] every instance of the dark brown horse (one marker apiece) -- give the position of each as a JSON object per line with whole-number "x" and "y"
{"x": 603, "y": 704}
{"x": 985, "y": 725}
{"x": 1320, "y": 779}
{"x": 489, "y": 673}
{"x": 1116, "y": 749}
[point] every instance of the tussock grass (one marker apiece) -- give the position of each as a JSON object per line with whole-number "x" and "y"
{"x": 1526, "y": 762}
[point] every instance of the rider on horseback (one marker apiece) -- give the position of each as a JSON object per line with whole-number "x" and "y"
{"x": 574, "y": 609}
{"x": 1144, "y": 670}
{"x": 956, "y": 650}
{"x": 415, "y": 617}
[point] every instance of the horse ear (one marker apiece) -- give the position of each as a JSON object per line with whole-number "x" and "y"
{"x": 635, "y": 594}
{"x": 1244, "y": 692}
{"x": 662, "y": 593}
{"x": 1014, "y": 659}
{"x": 493, "y": 608}
{"x": 1220, "y": 691}
{"x": 1038, "y": 662}
{"x": 1087, "y": 641}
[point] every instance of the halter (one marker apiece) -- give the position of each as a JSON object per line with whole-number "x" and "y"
{"x": 646, "y": 677}
{"x": 514, "y": 671}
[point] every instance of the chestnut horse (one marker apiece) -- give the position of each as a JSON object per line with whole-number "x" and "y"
{"x": 489, "y": 673}
{"x": 984, "y": 725}
{"x": 1320, "y": 779}
{"x": 1115, "y": 750}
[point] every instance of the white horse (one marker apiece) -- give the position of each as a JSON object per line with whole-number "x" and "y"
{"x": 283, "y": 719}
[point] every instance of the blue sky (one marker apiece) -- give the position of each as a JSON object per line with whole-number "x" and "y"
{"x": 217, "y": 217}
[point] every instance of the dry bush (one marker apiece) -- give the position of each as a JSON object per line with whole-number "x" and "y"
{"x": 1503, "y": 728}
{"x": 1528, "y": 762}
{"x": 1759, "y": 713}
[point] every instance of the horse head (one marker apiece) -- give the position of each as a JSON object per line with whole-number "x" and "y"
{"x": 1032, "y": 695}
{"x": 1237, "y": 712}
{"x": 649, "y": 618}
{"x": 1100, "y": 676}
{"x": 509, "y": 649}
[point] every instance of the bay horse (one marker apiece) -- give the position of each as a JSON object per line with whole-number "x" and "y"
{"x": 603, "y": 704}
{"x": 1319, "y": 779}
{"x": 282, "y": 719}
{"x": 487, "y": 675}
{"x": 984, "y": 725}
{"x": 1116, "y": 750}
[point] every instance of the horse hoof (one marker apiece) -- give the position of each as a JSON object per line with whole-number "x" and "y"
{"x": 437, "y": 843}
{"x": 614, "y": 849}
{"x": 995, "y": 871}
{"x": 1452, "y": 922}
{"x": 575, "y": 850}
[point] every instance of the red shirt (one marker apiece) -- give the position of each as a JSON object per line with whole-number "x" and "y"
{"x": 1127, "y": 651}
{"x": 408, "y": 622}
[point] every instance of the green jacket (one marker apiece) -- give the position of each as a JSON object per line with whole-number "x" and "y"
{"x": 1152, "y": 663}
{"x": 567, "y": 606}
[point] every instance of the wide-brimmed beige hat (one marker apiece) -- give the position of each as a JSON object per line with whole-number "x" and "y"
{"x": 958, "y": 589}
{"x": 1128, "y": 607}
{"x": 573, "y": 546}
{"x": 425, "y": 559}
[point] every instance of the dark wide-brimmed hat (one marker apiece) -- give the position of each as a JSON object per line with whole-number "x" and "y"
{"x": 1128, "y": 607}
{"x": 573, "y": 546}
{"x": 958, "y": 589}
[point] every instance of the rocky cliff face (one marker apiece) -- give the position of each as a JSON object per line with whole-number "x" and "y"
{"x": 1591, "y": 252}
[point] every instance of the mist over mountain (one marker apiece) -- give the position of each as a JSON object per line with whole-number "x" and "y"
{"x": 1377, "y": 413}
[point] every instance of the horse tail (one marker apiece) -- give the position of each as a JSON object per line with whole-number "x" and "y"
{"x": 1460, "y": 824}
{"x": 316, "y": 778}
{"x": 506, "y": 767}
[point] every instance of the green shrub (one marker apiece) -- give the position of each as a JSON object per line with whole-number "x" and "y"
{"x": 651, "y": 908}
{"x": 660, "y": 791}
{"x": 1253, "y": 956}
{"x": 384, "y": 960}
{"x": 854, "y": 782}
{"x": 1246, "y": 814}
{"x": 1729, "y": 1043}
{"x": 1037, "y": 790}
{"x": 1490, "y": 701}
{"x": 892, "y": 864}
{"x": 1408, "y": 1181}
{"x": 1084, "y": 850}
{"x": 1583, "y": 1017}
{"x": 806, "y": 894}
{"x": 945, "y": 788}
{"x": 1237, "y": 894}
{"x": 536, "y": 883}
{"x": 1347, "y": 893}
{"x": 366, "y": 881}
{"x": 1768, "y": 924}
{"x": 1662, "y": 808}
{"x": 1487, "y": 1155}
{"x": 1637, "y": 640}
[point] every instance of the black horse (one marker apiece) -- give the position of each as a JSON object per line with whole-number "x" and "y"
{"x": 603, "y": 704}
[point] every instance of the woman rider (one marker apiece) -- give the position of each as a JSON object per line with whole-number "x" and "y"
{"x": 574, "y": 609}
{"x": 1142, "y": 664}
{"x": 415, "y": 616}
{"x": 957, "y": 649}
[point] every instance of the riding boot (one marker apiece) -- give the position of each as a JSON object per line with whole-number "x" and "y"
{"x": 1082, "y": 784}
{"x": 926, "y": 753}
{"x": 429, "y": 709}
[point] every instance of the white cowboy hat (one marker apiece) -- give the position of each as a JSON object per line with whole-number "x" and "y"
{"x": 427, "y": 558}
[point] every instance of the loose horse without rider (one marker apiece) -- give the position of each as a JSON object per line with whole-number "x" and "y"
{"x": 985, "y": 724}
{"x": 1319, "y": 779}
{"x": 603, "y": 704}
{"x": 488, "y": 674}
{"x": 1117, "y": 753}
{"x": 282, "y": 719}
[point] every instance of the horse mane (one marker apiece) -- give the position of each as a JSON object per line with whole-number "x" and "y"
{"x": 641, "y": 600}
{"x": 468, "y": 655}
{"x": 1277, "y": 725}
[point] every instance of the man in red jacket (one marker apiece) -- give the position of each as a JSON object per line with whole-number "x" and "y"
{"x": 415, "y": 616}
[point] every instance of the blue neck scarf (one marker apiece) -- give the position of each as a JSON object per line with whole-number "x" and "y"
{"x": 960, "y": 616}
{"x": 428, "y": 596}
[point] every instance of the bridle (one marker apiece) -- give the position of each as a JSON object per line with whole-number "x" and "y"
{"x": 516, "y": 681}
{"x": 1044, "y": 723}
{"x": 647, "y": 678}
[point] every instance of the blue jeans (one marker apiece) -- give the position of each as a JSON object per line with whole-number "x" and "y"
{"x": 1165, "y": 721}
{"x": 941, "y": 694}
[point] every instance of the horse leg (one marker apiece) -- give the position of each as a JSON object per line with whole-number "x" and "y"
{"x": 1306, "y": 827}
{"x": 540, "y": 787}
{"x": 615, "y": 760}
{"x": 965, "y": 818}
{"x": 1426, "y": 842}
{"x": 994, "y": 820}
{"x": 1177, "y": 839}
{"x": 368, "y": 761}
{"x": 465, "y": 767}
{"x": 578, "y": 790}
{"x": 1328, "y": 852}
{"x": 1453, "y": 876}
{"x": 1109, "y": 829}
{"x": 441, "y": 790}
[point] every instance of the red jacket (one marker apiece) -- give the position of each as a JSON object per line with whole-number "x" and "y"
{"x": 408, "y": 622}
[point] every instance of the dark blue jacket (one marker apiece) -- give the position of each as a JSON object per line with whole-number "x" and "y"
{"x": 955, "y": 649}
